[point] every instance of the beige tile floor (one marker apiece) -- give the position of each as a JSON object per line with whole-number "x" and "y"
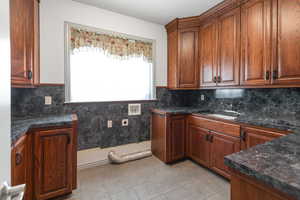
{"x": 150, "y": 179}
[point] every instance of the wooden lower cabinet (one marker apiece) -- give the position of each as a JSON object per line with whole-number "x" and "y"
{"x": 168, "y": 137}
{"x": 205, "y": 140}
{"x": 246, "y": 188}
{"x": 21, "y": 161}
{"x": 45, "y": 160}
{"x": 253, "y": 136}
{"x": 221, "y": 146}
{"x": 198, "y": 145}
{"x": 53, "y": 163}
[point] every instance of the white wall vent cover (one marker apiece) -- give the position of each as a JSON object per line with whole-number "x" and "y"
{"x": 134, "y": 109}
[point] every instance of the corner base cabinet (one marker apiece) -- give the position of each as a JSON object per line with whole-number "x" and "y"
{"x": 45, "y": 160}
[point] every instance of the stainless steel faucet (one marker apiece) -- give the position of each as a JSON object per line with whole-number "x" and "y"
{"x": 11, "y": 193}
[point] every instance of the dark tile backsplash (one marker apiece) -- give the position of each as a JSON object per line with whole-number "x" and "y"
{"x": 93, "y": 131}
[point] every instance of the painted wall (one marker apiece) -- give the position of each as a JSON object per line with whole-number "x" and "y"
{"x": 4, "y": 92}
{"x": 54, "y": 13}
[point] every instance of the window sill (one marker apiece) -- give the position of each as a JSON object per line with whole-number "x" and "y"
{"x": 128, "y": 101}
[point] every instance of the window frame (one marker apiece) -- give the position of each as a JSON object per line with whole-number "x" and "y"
{"x": 67, "y": 70}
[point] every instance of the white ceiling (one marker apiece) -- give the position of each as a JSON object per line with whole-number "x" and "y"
{"x": 157, "y": 11}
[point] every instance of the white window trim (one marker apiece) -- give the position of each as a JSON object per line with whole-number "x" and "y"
{"x": 67, "y": 78}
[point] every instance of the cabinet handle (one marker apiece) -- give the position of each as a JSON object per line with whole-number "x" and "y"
{"x": 207, "y": 137}
{"x": 69, "y": 138}
{"x": 29, "y": 74}
{"x": 243, "y": 135}
{"x": 215, "y": 79}
{"x": 219, "y": 79}
{"x": 211, "y": 138}
{"x": 267, "y": 75}
{"x": 275, "y": 74}
{"x": 18, "y": 158}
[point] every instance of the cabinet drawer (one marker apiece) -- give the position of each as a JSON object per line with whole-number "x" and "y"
{"x": 214, "y": 125}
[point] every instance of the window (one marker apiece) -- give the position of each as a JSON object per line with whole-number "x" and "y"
{"x": 103, "y": 66}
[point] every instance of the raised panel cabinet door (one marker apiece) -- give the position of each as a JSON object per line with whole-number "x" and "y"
{"x": 172, "y": 58}
{"x": 188, "y": 58}
{"x": 208, "y": 54}
{"x": 287, "y": 66}
{"x": 222, "y": 145}
{"x": 199, "y": 147}
{"x": 256, "y": 42}
{"x": 24, "y": 30}
{"x": 177, "y": 133}
{"x": 159, "y": 136}
{"x": 229, "y": 48}
{"x": 53, "y": 163}
{"x": 21, "y": 41}
{"x": 252, "y": 137}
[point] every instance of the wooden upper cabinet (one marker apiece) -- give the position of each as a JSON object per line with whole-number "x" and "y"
{"x": 53, "y": 163}
{"x": 24, "y": 27}
{"x": 188, "y": 58}
{"x": 287, "y": 66}
{"x": 182, "y": 57}
{"x": 220, "y": 50}
{"x": 229, "y": 48}
{"x": 256, "y": 42}
{"x": 208, "y": 54}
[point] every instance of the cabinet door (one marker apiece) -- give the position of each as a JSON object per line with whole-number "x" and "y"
{"x": 21, "y": 165}
{"x": 198, "y": 146}
{"x": 188, "y": 58}
{"x": 208, "y": 54}
{"x": 252, "y": 137}
{"x": 177, "y": 134}
{"x": 287, "y": 65}
{"x": 159, "y": 136}
{"x": 172, "y": 58}
{"x": 24, "y": 30}
{"x": 229, "y": 48}
{"x": 222, "y": 145}
{"x": 53, "y": 163}
{"x": 256, "y": 42}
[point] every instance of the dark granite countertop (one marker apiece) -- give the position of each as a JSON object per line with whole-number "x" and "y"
{"x": 275, "y": 163}
{"x": 20, "y": 126}
{"x": 179, "y": 110}
{"x": 286, "y": 123}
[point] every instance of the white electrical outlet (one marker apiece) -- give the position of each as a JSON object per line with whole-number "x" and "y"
{"x": 48, "y": 100}
{"x": 109, "y": 124}
{"x": 202, "y": 97}
{"x": 125, "y": 122}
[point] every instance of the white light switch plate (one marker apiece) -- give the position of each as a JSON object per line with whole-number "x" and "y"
{"x": 109, "y": 124}
{"x": 48, "y": 100}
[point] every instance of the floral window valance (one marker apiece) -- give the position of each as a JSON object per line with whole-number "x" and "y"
{"x": 111, "y": 45}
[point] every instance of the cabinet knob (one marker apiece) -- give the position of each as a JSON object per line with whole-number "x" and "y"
{"x": 19, "y": 158}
